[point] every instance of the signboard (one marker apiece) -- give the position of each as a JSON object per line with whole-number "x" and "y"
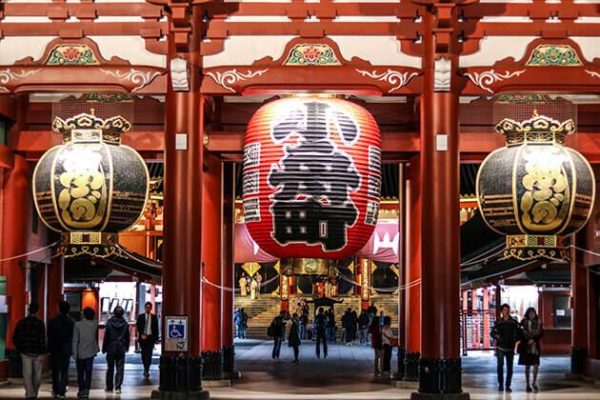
{"x": 176, "y": 333}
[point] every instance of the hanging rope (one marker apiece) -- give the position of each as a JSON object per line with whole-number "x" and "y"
{"x": 482, "y": 257}
{"x": 29, "y": 253}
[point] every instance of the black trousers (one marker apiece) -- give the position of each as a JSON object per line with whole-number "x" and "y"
{"x": 112, "y": 361}
{"x": 321, "y": 337}
{"x": 387, "y": 358}
{"x": 500, "y": 356}
{"x": 60, "y": 373}
{"x": 84, "y": 374}
{"x": 147, "y": 347}
{"x": 296, "y": 351}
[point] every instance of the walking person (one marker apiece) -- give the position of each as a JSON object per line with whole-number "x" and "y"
{"x": 277, "y": 332}
{"x": 115, "y": 345}
{"x": 60, "y": 347}
{"x": 29, "y": 338}
{"x": 363, "y": 326}
{"x": 506, "y": 332}
{"x": 389, "y": 341}
{"x": 147, "y": 329}
{"x": 253, "y": 288}
{"x": 243, "y": 323}
{"x": 529, "y": 347}
{"x": 321, "y": 322}
{"x": 294, "y": 337}
{"x": 349, "y": 322}
{"x": 85, "y": 348}
{"x": 377, "y": 345}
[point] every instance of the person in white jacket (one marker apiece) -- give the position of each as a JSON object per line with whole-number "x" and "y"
{"x": 85, "y": 348}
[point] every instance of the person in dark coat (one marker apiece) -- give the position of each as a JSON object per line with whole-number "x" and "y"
{"x": 506, "y": 332}
{"x": 29, "y": 338}
{"x": 363, "y": 326}
{"x": 294, "y": 337}
{"x": 60, "y": 347}
{"x": 529, "y": 347}
{"x": 115, "y": 345}
{"x": 277, "y": 332}
{"x": 349, "y": 321}
{"x": 147, "y": 330}
{"x": 377, "y": 345}
{"x": 321, "y": 322}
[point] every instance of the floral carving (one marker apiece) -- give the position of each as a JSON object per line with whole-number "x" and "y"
{"x": 395, "y": 78}
{"x": 228, "y": 78}
{"x": 72, "y": 54}
{"x": 138, "y": 78}
{"x": 311, "y": 55}
{"x": 487, "y": 78}
{"x": 552, "y": 55}
{"x": 6, "y": 75}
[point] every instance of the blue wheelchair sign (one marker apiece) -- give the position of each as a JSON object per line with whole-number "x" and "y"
{"x": 176, "y": 332}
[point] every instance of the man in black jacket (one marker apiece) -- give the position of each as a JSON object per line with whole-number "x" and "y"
{"x": 506, "y": 332}
{"x": 147, "y": 329}
{"x": 115, "y": 345}
{"x": 60, "y": 342}
{"x": 29, "y": 338}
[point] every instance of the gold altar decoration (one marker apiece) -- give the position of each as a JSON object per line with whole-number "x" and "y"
{"x": 91, "y": 187}
{"x": 308, "y": 266}
{"x": 535, "y": 190}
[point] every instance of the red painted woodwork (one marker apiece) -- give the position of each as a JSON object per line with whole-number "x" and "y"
{"x": 212, "y": 209}
{"x": 440, "y": 251}
{"x": 54, "y": 290}
{"x": 354, "y": 133}
{"x": 414, "y": 238}
{"x": 228, "y": 249}
{"x": 183, "y": 205}
{"x": 7, "y": 157}
{"x": 560, "y": 341}
{"x": 15, "y": 226}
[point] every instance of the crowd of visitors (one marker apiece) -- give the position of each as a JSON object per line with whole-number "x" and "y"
{"x": 66, "y": 338}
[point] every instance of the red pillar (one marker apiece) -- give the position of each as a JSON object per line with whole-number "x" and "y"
{"x": 412, "y": 272}
{"x": 228, "y": 268}
{"x": 440, "y": 365}
{"x": 55, "y": 285}
{"x": 211, "y": 263}
{"x": 579, "y": 304}
{"x": 486, "y": 319}
{"x": 15, "y": 224}
{"x": 180, "y": 370}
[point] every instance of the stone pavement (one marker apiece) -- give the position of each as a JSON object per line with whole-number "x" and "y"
{"x": 345, "y": 374}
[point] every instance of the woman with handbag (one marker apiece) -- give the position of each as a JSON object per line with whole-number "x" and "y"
{"x": 529, "y": 347}
{"x": 389, "y": 341}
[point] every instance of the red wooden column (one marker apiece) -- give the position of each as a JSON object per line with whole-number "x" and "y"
{"x": 55, "y": 285}
{"x": 579, "y": 287}
{"x": 440, "y": 366}
{"x": 227, "y": 271}
{"x": 412, "y": 272}
{"x": 15, "y": 224}
{"x": 180, "y": 375}
{"x": 212, "y": 365}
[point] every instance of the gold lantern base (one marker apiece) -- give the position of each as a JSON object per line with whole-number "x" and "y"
{"x": 95, "y": 244}
{"x": 535, "y": 247}
{"x": 308, "y": 266}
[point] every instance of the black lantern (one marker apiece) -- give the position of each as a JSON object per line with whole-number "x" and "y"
{"x": 535, "y": 190}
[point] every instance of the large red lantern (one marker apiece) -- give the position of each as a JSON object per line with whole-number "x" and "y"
{"x": 312, "y": 177}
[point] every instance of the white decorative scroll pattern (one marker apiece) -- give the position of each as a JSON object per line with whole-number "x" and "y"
{"x": 6, "y": 75}
{"x": 487, "y": 78}
{"x": 139, "y": 78}
{"x": 593, "y": 74}
{"x": 228, "y": 78}
{"x": 390, "y": 76}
